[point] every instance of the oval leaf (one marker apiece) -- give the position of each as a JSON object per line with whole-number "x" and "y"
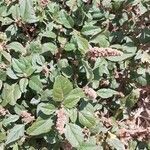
{"x": 87, "y": 119}
{"x": 73, "y": 98}
{"x": 23, "y": 84}
{"x": 106, "y": 93}
{"x": 40, "y": 126}
{"x": 74, "y": 134}
{"x": 35, "y": 84}
{"x": 15, "y": 133}
{"x": 61, "y": 88}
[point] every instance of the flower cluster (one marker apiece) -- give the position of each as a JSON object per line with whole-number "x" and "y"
{"x": 89, "y": 92}
{"x": 137, "y": 127}
{"x": 3, "y": 111}
{"x": 8, "y": 2}
{"x": 96, "y": 52}
{"x": 133, "y": 132}
{"x": 43, "y": 3}
{"x": 66, "y": 145}
{"x": 26, "y": 117}
{"x": 86, "y": 133}
{"x": 61, "y": 120}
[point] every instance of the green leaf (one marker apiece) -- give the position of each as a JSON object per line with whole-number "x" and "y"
{"x": 65, "y": 67}
{"x": 15, "y": 133}
{"x": 38, "y": 60}
{"x": 49, "y": 34}
{"x": 3, "y": 75}
{"x": 62, "y": 87}
{"x": 106, "y": 93}
{"x": 15, "y": 147}
{"x": 35, "y": 84}
{"x": 11, "y": 74}
{"x": 90, "y": 30}
{"x": 2, "y": 138}
{"x": 10, "y": 94}
{"x": 89, "y": 71}
{"x": 141, "y": 80}
{"x": 69, "y": 47}
{"x": 73, "y": 114}
{"x": 65, "y": 19}
{"x": 15, "y": 12}
{"x": 10, "y": 119}
{"x": 27, "y": 11}
{"x": 35, "y": 46}
{"x": 74, "y": 134}
{"x": 132, "y": 98}
{"x": 7, "y": 21}
{"x": 17, "y": 47}
{"x": 12, "y": 30}
{"x": 40, "y": 126}
{"x": 132, "y": 145}
{"x": 29, "y": 71}
{"x": 142, "y": 8}
{"x": 120, "y": 58}
{"x": 1, "y": 84}
{"x": 73, "y": 98}
{"x": 72, "y": 4}
{"x": 23, "y": 84}
{"x": 46, "y": 94}
{"x": 90, "y": 145}
{"x": 87, "y": 118}
{"x": 116, "y": 143}
{"x": 6, "y": 55}
{"x": 87, "y": 107}
{"x": 46, "y": 108}
{"x": 49, "y": 47}
{"x": 63, "y": 63}
{"x": 82, "y": 43}
{"x": 18, "y": 66}
{"x": 101, "y": 40}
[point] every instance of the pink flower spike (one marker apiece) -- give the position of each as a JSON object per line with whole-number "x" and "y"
{"x": 61, "y": 120}
{"x": 89, "y": 92}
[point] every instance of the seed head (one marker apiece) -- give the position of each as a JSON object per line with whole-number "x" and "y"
{"x": 95, "y": 52}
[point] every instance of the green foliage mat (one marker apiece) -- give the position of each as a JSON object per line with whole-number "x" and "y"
{"x": 74, "y": 74}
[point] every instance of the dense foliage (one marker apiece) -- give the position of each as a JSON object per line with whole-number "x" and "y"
{"x": 74, "y": 74}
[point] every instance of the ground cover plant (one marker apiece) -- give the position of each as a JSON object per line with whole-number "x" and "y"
{"x": 75, "y": 74}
